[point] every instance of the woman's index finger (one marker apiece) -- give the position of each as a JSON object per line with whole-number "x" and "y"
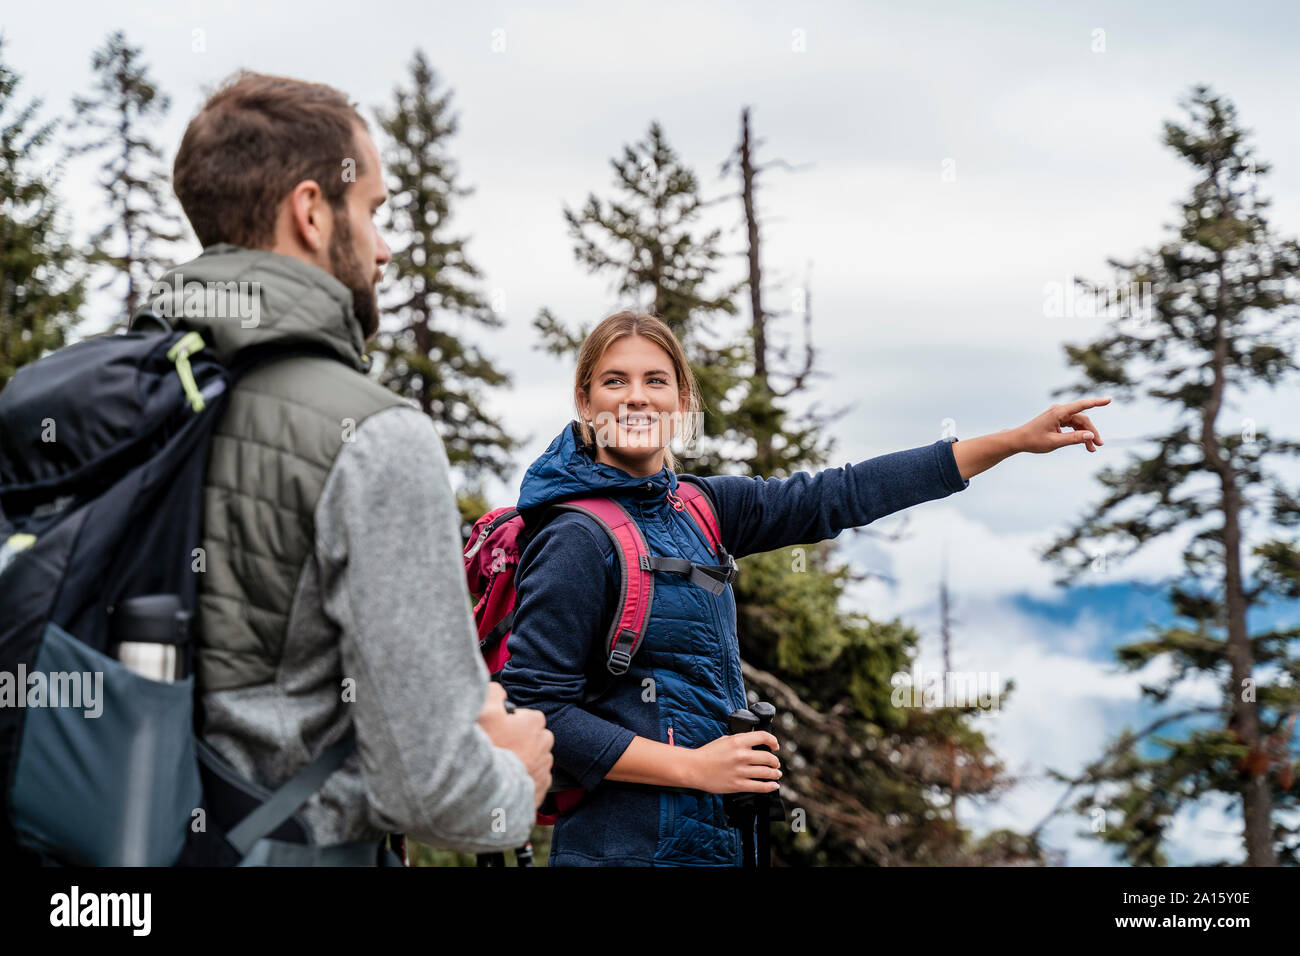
{"x": 1073, "y": 408}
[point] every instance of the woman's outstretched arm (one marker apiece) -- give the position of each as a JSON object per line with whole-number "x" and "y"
{"x": 763, "y": 514}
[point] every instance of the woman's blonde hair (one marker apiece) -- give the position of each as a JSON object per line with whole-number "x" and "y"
{"x": 620, "y": 325}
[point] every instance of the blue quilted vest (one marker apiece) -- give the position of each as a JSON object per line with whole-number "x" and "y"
{"x": 679, "y": 689}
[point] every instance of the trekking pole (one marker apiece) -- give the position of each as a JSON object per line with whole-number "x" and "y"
{"x": 769, "y": 805}
{"x": 741, "y": 806}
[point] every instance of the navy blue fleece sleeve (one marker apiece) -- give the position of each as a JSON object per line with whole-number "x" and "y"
{"x": 563, "y": 587}
{"x": 763, "y": 514}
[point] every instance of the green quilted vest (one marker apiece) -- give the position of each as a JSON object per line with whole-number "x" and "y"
{"x": 274, "y": 446}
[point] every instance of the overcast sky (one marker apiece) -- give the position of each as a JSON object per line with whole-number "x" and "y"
{"x": 959, "y": 158}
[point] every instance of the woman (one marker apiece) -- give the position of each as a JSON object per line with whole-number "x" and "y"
{"x": 652, "y": 751}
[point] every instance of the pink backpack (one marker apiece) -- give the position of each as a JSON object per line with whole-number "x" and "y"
{"x": 500, "y": 537}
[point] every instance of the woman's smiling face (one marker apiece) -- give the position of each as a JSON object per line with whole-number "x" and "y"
{"x": 633, "y": 403}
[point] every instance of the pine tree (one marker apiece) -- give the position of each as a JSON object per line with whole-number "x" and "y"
{"x": 1203, "y": 317}
{"x": 120, "y": 111}
{"x": 648, "y": 236}
{"x": 426, "y": 355}
{"x": 41, "y": 282}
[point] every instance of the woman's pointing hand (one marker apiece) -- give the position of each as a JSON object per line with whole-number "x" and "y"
{"x": 1043, "y": 434}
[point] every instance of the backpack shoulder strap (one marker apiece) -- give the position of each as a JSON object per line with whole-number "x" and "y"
{"x": 636, "y": 588}
{"x": 701, "y": 506}
{"x": 254, "y": 356}
{"x": 698, "y": 502}
{"x": 282, "y": 804}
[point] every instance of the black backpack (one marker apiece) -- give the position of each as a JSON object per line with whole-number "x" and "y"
{"x": 103, "y": 451}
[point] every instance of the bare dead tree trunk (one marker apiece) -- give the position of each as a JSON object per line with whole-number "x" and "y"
{"x": 944, "y": 622}
{"x": 945, "y": 634}
{"x": 758, "y": 317}
{"x": 755, "y": 270}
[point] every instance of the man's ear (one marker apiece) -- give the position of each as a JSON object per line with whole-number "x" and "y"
{"x": 310, "y": 217}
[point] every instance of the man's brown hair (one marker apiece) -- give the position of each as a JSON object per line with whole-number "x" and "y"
{"x": 256, "y": 138}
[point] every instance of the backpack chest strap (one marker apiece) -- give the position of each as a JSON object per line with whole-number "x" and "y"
{"x": 714, "y": 578}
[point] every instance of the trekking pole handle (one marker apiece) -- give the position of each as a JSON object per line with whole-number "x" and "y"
{"x": 741, "y": 721}
{"x": 765, "y": 714}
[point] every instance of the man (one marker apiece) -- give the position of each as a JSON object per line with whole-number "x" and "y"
{"x": 332, "y": 592}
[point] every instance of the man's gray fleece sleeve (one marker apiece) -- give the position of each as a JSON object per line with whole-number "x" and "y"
{"x": 389, "y": 549}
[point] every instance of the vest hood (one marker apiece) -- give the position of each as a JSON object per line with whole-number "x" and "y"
{"x": 567, "y": 470}
{"x": 236, "y": 298}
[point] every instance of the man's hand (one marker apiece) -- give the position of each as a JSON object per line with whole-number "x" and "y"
{"x": 522, "y": 731}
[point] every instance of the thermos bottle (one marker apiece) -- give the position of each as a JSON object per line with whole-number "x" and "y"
{"x": 150, "y": 635}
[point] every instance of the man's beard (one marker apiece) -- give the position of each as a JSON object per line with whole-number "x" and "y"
{"x": 348, "y": 270}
